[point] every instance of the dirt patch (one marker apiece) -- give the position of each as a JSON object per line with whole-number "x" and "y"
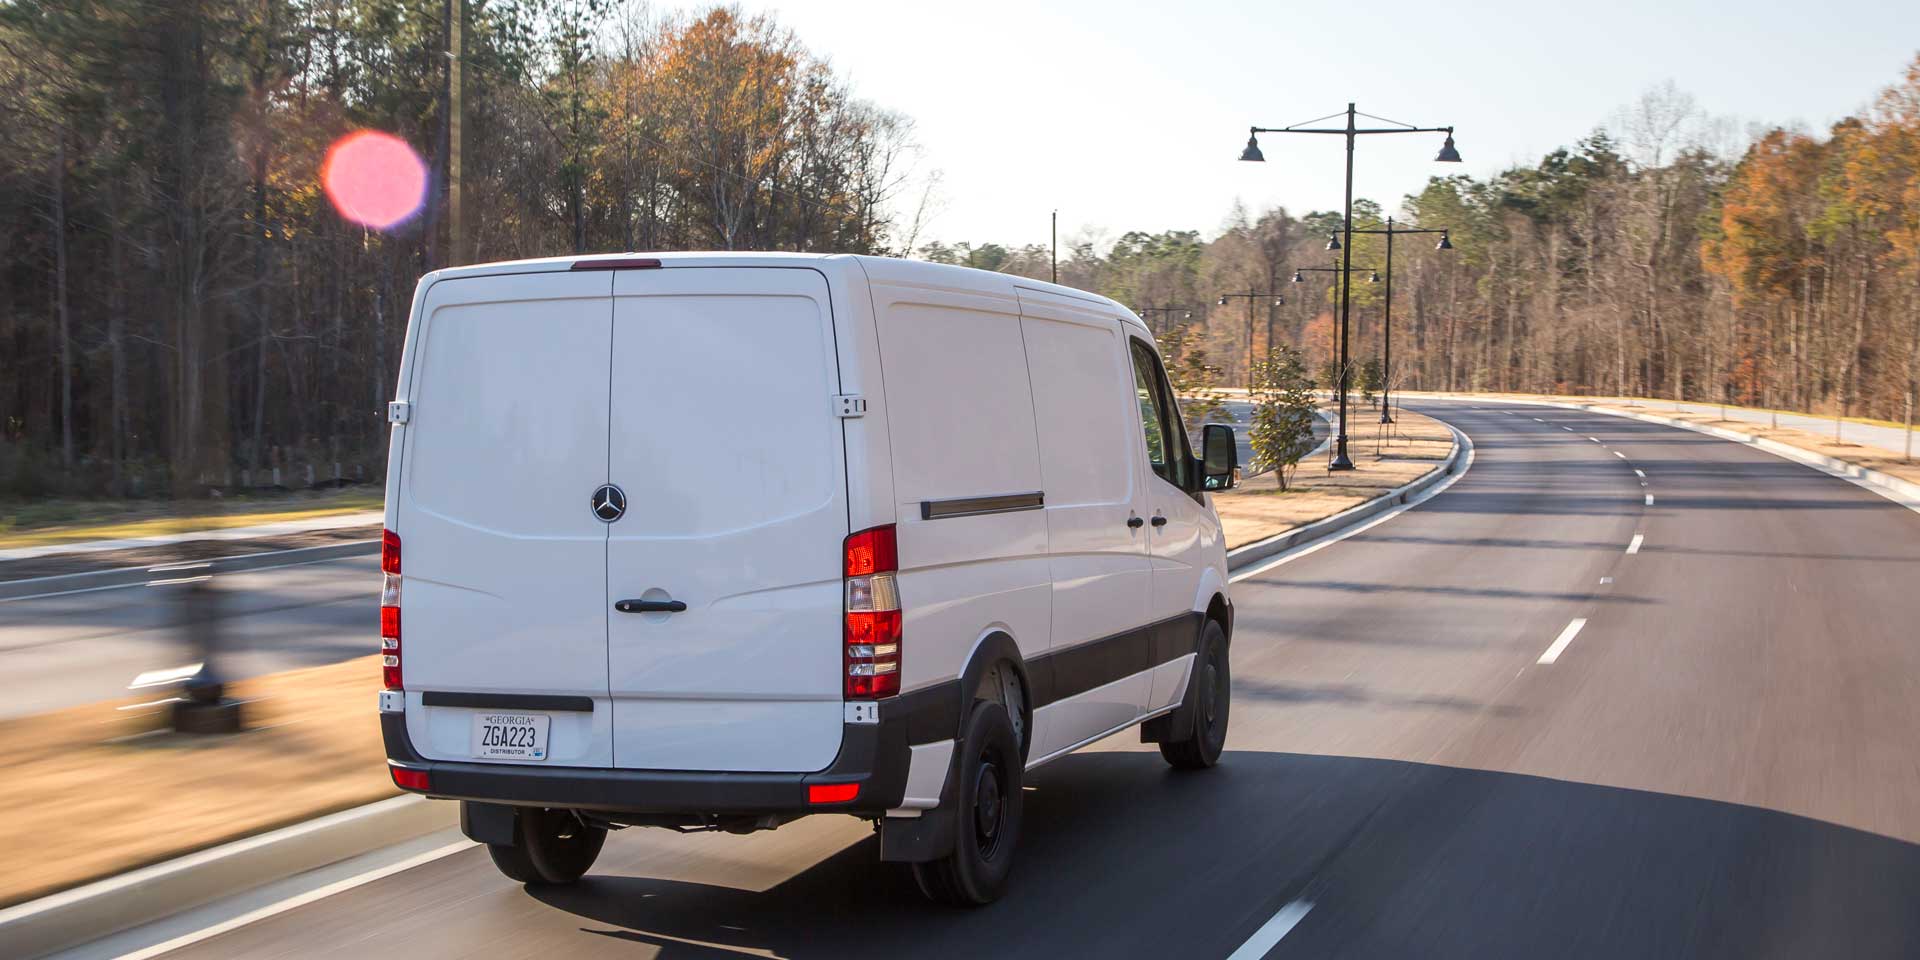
{"x": 97, "y": 790}
{"x": 1384, "y": 457}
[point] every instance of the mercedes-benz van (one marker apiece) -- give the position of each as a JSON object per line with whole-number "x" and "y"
{"x": 716, "y": 541}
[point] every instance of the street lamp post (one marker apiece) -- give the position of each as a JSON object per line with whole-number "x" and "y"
{"x": 1250, "y": 297}
{"x": 1351, "y": 131}
{"x": 1299, "y": 276}
{"x": 1386, "y": 373}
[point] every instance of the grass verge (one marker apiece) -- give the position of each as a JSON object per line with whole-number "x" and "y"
{"x": 44, "y": 523}
{"x": 97, "y": 790}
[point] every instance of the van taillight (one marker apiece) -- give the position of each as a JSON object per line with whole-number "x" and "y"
{"x": 873, "y": 615}
{"x": 390, "y": 609}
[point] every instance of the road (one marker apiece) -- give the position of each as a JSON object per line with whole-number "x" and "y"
{"x": 1719, "y": 763}
{"x": 64, "y": 651}
{"x": 77, "y": 648}
{"x": 1889, "y": 440}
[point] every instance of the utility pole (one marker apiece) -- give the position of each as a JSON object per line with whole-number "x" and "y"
{"x": 456, "y": 235}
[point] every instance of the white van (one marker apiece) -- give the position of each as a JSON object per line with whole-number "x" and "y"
{"x": 716, "y": 541}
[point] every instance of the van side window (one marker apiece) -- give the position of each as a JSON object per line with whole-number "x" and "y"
{"x": 1159, "y": 418}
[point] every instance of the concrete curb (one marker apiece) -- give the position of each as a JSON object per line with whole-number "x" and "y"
{"x": 1902, "y": 492}
{"x": 100, "y": 909}
{"x": 1288, "y": 539}
{"x": 84, "y": 914}
{"x": 134, "y": 576}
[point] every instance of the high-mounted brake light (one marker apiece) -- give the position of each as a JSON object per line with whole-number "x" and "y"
{"x": 617, "y": 263}
{"x": 390, "y": 613}
{"x": 872, "y": 615}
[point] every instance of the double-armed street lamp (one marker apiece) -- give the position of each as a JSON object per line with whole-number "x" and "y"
{"x": 1300, "y": 276}
{"x": 1351, "y": 131}
{"x": 1390, "y": 231}
{"x": 1276, "y": 300}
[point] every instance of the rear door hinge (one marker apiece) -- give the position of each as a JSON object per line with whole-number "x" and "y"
{"x": 399, "y": 411}
{"x": 849, "y": 405}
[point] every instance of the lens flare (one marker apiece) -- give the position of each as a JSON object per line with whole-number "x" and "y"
{"x": 374, "y": 179}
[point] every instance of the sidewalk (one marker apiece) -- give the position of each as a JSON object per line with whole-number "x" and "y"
{"x": 1890, "y": 439}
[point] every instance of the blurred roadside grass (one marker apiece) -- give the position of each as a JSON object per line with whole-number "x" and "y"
{"x": 97, "y": 790}
{"x": 53, "y": 521}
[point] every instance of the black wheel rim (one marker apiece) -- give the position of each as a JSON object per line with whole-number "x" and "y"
{"x": 989, "y": 807}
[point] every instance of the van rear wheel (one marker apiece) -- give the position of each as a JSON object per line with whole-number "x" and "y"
{"x": 987, "y": 813}
{"x": 550, "y": 847}
{"x": 1209, "y": 694}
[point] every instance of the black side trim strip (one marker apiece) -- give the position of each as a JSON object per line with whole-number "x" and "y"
{"x": 1059, "y": 674}
{"x": 507, "y": 701}
{"x": 974, "y": 506}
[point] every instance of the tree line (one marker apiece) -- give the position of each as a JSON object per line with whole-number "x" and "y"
{"x": 1649, "y": 259}
{"x": 182, "y": 309}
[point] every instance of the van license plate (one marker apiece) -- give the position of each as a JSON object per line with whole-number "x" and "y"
{"x": 509, "y": 736}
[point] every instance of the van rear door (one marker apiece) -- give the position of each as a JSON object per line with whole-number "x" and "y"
{"x": 724, "y": 438}
{"x": 503, "y": 600}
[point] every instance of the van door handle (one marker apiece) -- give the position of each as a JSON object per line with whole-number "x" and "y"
{"x": 650, "y": 606}
{"x": 1135, "y": 523}
{"x": 1159, "y": 521}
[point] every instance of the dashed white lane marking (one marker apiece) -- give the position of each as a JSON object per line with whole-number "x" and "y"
{"x": 1605, "y": 580}
{"x": 1634, "y": 547}
{"x": 1560, "y": 644}
{"x": 1642, "y": 474}
{"x": 1567, "y": 429}
{"x": 1538, "y": 420}
{"x": 1649, "y": 499}
{"x": 1594, "y": 439}
{"x": 1270, "y": 932}
{"x": 1619, "y": 454}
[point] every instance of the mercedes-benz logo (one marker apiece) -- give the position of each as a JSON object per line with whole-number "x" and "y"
{"x": 609, "y": 503}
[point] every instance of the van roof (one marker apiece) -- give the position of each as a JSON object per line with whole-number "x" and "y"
{"x": 916, "y": 271}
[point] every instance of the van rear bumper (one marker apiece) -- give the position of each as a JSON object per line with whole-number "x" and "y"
{"x": 875, "y": 756}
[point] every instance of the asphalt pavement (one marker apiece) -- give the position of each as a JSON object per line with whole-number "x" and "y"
{"x": 82, "y": 647}
{"x": 1621, "y": 691}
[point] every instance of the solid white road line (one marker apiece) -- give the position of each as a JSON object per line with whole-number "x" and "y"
{"x": 1270, "y": 932}
{"x": 1466, "y": 463}
{"x": 1642, "y": 474}
{"x": 1634, "y": 547}
{"x": 292, "y": 903}
{"x": 1649, "y": 499}
{"x": 1566, "y": 637}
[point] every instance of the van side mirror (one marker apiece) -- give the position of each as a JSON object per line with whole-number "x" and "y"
{"x": 1219, "y": 459}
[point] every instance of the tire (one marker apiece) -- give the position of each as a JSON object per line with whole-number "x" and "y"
{"x": 551, "y": 847}
{"x": 512, "y": 860}
{"x": 987, "y": 814}
{"x": 1209, "y": 695}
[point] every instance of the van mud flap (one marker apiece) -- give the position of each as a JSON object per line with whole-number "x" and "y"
{"x": 925, "y": 838}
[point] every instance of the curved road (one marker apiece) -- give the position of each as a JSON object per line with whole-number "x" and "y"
{"x": 1719, "y": 762}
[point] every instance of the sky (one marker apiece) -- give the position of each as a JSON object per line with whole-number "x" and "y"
{"x": 1125, "y": 114}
